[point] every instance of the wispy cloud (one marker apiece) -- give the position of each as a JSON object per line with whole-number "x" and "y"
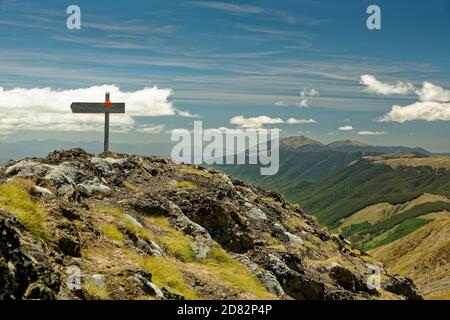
{"x": 371, "y": 133}
{"x": 305, "y": 96}
{"x": 263, "y": 12}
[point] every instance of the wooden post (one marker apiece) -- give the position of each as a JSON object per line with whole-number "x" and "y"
{"x": 106, "y": 142}
{"x": 100, "y": 107}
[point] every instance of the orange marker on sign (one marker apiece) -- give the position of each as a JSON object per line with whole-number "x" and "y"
{"x": 107, "y": 101}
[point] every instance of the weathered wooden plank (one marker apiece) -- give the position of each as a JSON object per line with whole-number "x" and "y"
{"x": 96, "y": 107}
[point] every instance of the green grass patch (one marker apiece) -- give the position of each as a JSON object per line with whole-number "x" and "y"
{"x": 165, "y": 274}
{"x": 129, "y": 222}
{"x": 199, "y": 172}
{"x": 111, "y": 231}
{"x": 174, "y": 241}
{"x": 95, "y": 290}
{"x": 15, "y": 199}
{"x": 185, "y": 185}
{"x": 354, "y": 229}
{"x": 404, "y": 228}
{"x": 234, "y": 273}
{"x": 129, "y": 185}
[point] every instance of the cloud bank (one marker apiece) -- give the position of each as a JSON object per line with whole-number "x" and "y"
{"x": 49, "y": 109}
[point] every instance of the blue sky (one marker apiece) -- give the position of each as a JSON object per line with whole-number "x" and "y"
{"x": 226, "y": 59}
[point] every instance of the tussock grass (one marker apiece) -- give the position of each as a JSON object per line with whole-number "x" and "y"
{"x": 196, "y": 171}
{"x": 166, "y": 274}
{"x": 174, "y": 241}
{"x": 95, "y": 290}
{"x": 129, "y": 222}
{"x": 129, "y": 185}
{"x": 220, "y": 263}
{"x": 111, "y": 231}
{"x": 186, "y": 185}
{"x": 15, "y": 199}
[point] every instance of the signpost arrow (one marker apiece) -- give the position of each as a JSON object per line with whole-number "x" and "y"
{"x": 106, "y": 107}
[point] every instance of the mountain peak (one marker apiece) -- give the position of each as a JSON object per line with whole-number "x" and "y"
{"x": 296, "y": 142}
{"x": 347, "y": 143}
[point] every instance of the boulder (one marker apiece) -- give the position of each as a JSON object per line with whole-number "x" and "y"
{"x": 402, "y": 286}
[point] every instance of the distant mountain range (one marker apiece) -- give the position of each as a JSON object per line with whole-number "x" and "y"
{"x": 304, "y": 144}
{"x": 40, "y": 148}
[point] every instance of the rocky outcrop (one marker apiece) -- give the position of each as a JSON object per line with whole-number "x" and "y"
{"x": 137, "y": 227}
{"x": 402, "y": 286}
{"x": 22, "y": 276}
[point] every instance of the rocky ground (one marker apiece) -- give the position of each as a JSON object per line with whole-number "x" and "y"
{"x": 77, "y": 226}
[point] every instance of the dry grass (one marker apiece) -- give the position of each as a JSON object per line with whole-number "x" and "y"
{"x": 435, "y": 162}
{"x": 423, "y": 256}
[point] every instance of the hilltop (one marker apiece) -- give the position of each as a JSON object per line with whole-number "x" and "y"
{"x": 137, "y": 227}
{"x": 346, "y": 143}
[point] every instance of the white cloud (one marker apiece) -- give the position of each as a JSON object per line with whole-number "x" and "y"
{"x": 371, "y": 133}
{"x": 431, "y": 92}
{"x": 300, "y": 121}
{"x": 254, "y": 122}
{"x": 427, "y": 110}
{"x": 151, "y": 128}
{"x": 281, "y": 104}
{"x": 375, "y": 86}
{"x": 187, "y": 114}
{"x": 305, "y": 96}
{"x": 345, "y": 128}
{"x": 49, "y": 109}
{"x": 433, "y": 106}
{"x": 260, "y": 121}
{"x": 304, "y": 103}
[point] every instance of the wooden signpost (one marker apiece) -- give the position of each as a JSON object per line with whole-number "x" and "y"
{"x": 106, "y": 107}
